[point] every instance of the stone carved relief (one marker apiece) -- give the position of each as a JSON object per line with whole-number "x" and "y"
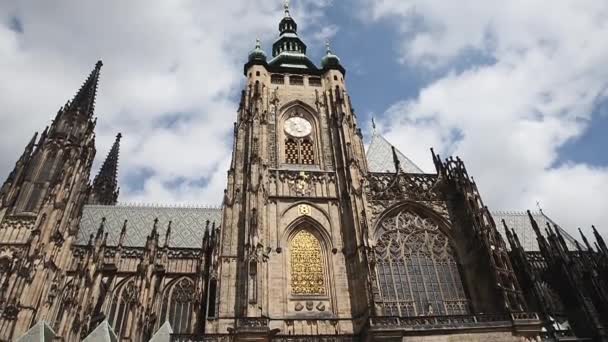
{"x": 18, "y": 223}
{"x": 301, "y": 183}
{"x": 388, "y": 186}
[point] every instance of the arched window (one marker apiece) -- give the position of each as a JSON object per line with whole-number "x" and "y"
{"x": 67, "y": 297}
{"x": 300, "y": 151}
{"x": 123, "y": 300}
{"x": 307, "y": 276}
{"x": 417, "y": 270}
{"x": 211, "y": 298}
{"x": 178, "y": 305}
{"x": 291, "y": 152}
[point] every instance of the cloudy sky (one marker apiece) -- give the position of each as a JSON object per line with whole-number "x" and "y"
{"x": 517, "y": 89}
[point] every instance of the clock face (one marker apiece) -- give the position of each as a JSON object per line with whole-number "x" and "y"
{"x": 298, "y": 127}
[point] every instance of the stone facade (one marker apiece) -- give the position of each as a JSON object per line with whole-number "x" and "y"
{"x": 316, "y": 240}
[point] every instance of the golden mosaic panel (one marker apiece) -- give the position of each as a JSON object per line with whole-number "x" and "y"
{"x": 306, "y": 265}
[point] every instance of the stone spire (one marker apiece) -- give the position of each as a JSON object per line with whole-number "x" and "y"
{"x": 75, "y": 118}
{"x": 84, "y": 101}
{"x": 105, "y": 185}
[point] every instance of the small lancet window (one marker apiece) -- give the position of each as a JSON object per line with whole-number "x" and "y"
{"x": 314, "y": 81}
{"x": 306, "y": 152}
{"x": 296, "y": 80}
{"x": 291, "y": 152}
{"x": 277, "y": 79}
{"x": 307, "y": 276}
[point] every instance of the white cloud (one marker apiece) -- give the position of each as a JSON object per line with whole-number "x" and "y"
{"x": 170, "y": 76}
{"x": 508, "y": 117}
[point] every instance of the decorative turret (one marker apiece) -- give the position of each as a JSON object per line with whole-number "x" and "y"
{"x": 105, "y": 185}
{"x": 17, "y": 172}
{"x": 330, "y": 60}
{"x": 289, "y": 51}
{"x": 288, "y": 41}
{"x": 257, "y": 54}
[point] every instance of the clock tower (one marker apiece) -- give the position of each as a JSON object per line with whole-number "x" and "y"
{"x": 293, "y": 206}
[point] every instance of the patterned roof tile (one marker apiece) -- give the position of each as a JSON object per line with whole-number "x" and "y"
{"x": 380, "y": 157}
{"x": 520, "y": 222}
{"x": 187, "y": 224}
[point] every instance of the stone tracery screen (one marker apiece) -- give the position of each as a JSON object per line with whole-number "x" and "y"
{"x": 177, "y": 306}
{"x": 417, "y": 270}
{"x": 307, "y": 277}
{"x": 123, "y": 300}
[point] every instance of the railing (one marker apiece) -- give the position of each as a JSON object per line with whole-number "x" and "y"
{"x": 201, "y": 338}
{"x": 433, "y": 322}
{"x": 317, "y": 338}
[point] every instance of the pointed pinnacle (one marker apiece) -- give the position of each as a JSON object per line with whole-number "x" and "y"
{"x": 85, "y": 98}
{"x": 105, "y": 184}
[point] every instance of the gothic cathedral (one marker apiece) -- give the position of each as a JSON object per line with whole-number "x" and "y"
{"x": 318, "y": 237}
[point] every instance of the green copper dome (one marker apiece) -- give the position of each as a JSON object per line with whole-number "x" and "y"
{"x": 257, "y": 54}
{"x": 330, "y": 60}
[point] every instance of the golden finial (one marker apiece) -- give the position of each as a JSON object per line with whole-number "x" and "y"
{"x": 327, "y": 48}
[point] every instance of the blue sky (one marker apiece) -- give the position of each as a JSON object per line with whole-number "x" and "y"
{"x": 517, "y": 90}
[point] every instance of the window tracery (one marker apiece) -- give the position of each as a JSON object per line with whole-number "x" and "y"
{"x": 124, "y": 299}
{"x": 307, "y": 276}
{"x": 300, "y": 151}
{"x": 178, "y": 306}
{"x": 417, "y": 270}
{"x": 291, "y": 152}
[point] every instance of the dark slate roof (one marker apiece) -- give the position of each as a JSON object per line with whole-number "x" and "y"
{"x": 380, "y": 157}
{"x": 520, "y": 222}
{"x": 187, "y": 223}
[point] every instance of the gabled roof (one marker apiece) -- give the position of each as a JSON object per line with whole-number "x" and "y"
{"x": 520, "y": 222}
{"x": 103, "y": 333}
{"x": 41, "y": 332}
{"x": 380, "y": 157}
{"x": 163, "y": 334}
{"x": 187, "y": 224}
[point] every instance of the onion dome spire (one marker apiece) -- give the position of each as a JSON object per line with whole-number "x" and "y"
{"x": 288, "y": 40}
{"x": 85, "y": 98}
{"x": 330, "y": 60}
{"x": 105, "y": 184}
{"x": 257, "y": 54}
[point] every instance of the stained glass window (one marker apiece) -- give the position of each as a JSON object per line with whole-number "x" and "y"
{"x": 178, "y": 306}
{"x": 307, "y": 277}
{"x": 416, "y": 269}
{"x": 123, "y": 300}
